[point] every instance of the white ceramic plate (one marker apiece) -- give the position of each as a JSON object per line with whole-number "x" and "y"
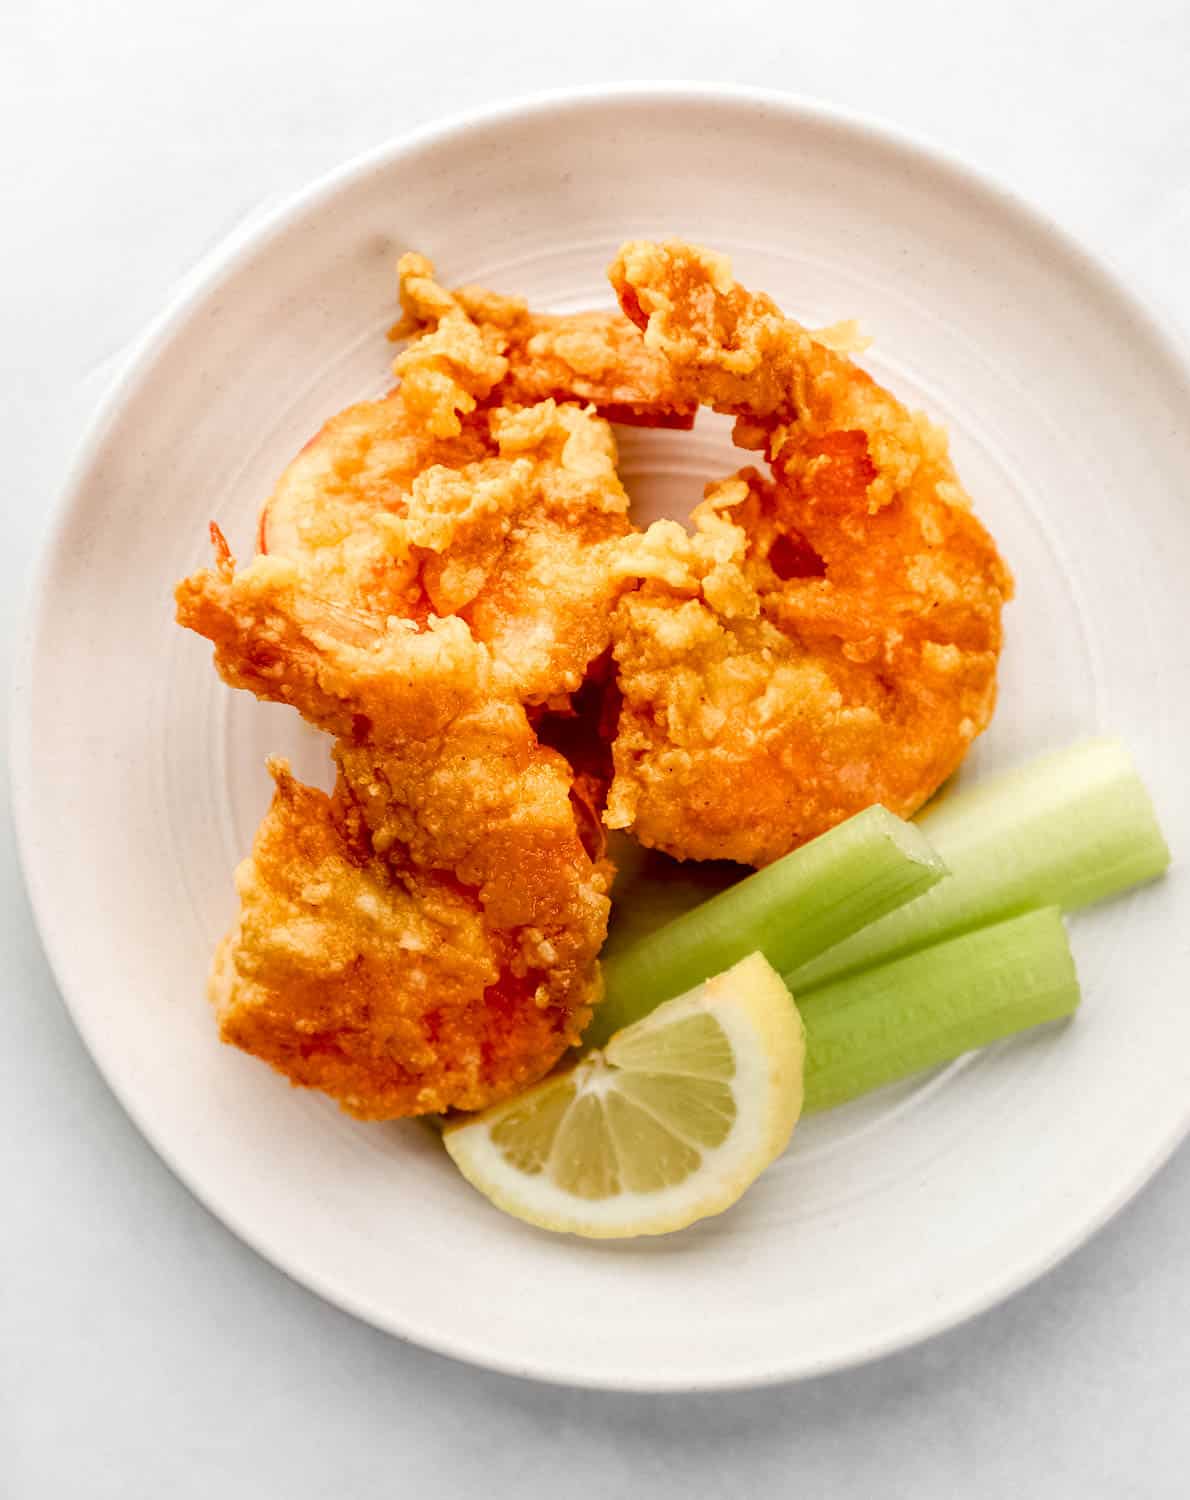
{"x": 139, "y": 777}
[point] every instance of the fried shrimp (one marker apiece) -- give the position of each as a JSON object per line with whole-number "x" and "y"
{"x": 396, "y": 995}
{"x": 825, "y": 639}
{"x": 426, "y": 938}
{"x": 503, "y": 516}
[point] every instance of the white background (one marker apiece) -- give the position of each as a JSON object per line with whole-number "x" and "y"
{"x": 143, "y": 1350}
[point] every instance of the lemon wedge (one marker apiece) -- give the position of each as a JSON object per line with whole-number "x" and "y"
{"x": 672, "y": 1121}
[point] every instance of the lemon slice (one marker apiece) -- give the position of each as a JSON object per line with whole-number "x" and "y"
{"x": 672, "y": 1121}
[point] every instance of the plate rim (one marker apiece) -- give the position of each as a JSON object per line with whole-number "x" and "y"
{"x": 235, "y": 249}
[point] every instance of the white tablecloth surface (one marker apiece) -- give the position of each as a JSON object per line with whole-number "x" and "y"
{"x": 143, "y": 1350}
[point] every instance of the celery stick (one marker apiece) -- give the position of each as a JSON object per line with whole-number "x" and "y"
{"x": 1066, "y": 830}
{"x": 796, "y": 907}
{"x": 916, "y": 1012}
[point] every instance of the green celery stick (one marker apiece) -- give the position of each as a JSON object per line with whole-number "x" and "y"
{"x": 1069, "y": 829}
{"x": 791, "y": 910}
{"x": 916, "y": 1012}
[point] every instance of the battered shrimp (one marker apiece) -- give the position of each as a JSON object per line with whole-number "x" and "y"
{"x": 427, "y": 938}
{"x": 481, "y": 487}
{"x": 423, "y": 505}
{"x": 396, "y": 995}
{"x": 824, "y": 640}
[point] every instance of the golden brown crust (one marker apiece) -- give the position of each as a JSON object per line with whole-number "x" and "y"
{"x": 823, "y": 641}
{"x": 445, "y": 796}
{"x": 506, "y": 524}
{"x": 588, "y": 357}
{"x": 396, "y": 996}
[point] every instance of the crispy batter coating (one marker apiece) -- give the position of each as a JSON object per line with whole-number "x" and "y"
{"x": 590, "y": 357}
{"x": 395, "y": 993}
{"x": 331, "y": 510}
{"x": 519, "y": 546}
{"x": 823, "y": 641}
{"x": 443, "y": 788}
{"x": 420, "y": 504}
